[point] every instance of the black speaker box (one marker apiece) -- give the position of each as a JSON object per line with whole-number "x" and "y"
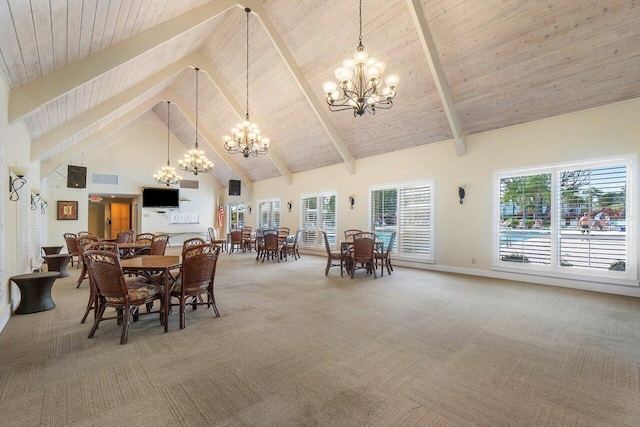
{"x": 76, "y": 177}
{"x": 234, "y": 187}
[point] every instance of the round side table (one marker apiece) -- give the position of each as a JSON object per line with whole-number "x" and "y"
{"x": 51, "y": 250}
{"x": 35, "y": 291}
{"x": 58, "y": 262}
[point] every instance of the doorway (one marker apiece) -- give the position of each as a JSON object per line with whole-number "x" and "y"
{"x": 120, "y": 218}
{"x": 96, "y": 219}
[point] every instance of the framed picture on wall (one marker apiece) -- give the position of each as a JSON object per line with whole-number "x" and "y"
{"x": 67, "y": 210}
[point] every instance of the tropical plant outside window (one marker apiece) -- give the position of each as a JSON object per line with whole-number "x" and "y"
{"x": 236, "y": 216}
{"x": 570, "y": 219}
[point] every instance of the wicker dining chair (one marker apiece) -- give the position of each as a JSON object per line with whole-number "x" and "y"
{"x": 82, "y": 243}
{"x": 159, "y": 244}
{"x": 247, "y": 241}
{"x": 93, "y": 295}
{"x": 364, "y": 253}
{"x": 196, "y": 278}
{"x": 72, "y": 247}
{"x": 195, "y": 241}
{"x": 144, "y": 238}
{"x": 113, "y": 290}
{"x": 213, "y": 238}
{"x": 332, "y": 256}
{"x": 385, "y": 256}
{"x": 259, "y": 242}
{"x": 271, "y": 247}
{"x": 236, "y": 240}
{"x": 124, "y": 236}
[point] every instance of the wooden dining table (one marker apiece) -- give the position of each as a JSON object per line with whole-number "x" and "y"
{"x": 147, "y": 266}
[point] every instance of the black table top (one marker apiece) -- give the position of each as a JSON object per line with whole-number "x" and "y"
{"x": 35, "y": 275}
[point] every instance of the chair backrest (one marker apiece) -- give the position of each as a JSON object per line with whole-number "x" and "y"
{"x": 192, "y": 242}
{"x": 124, "y": 236}
{"x": 144, "y": 238}
{"x": 83, "y": 241}
{"x": 236, "y": 236}
{"x": 102, "y": 246}
{"x": 364, "y": 235}
{"x": 106, "y": 274}
{"x": 271, "y": 240}
{"x": 391, "y": 241}
{"x": 159, "y": 244}
{"x": 246, "y": 231}
{"x": 283, "y": 233}
{"x": 83, "y": 233}
{"x": 213, "y": 235}
{"x": 363, "y": 245}
{"x": 326, "y": 243}
{"x": 296, "y": 241}
{"x": 198, "y": 267}
{"x": 72, "y": 243}
{"x": 348, "y": 234}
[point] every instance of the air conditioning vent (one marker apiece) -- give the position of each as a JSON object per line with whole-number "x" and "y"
{"x": 103, "y": 178}
{"x": 189, "y": 183}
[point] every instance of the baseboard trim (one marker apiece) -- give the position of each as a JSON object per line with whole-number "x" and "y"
{"x": 607, "y": 288}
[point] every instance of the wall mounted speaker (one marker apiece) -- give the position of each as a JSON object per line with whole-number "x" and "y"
{"x": 76, "y": 177}
{"x": 234, "y": 187}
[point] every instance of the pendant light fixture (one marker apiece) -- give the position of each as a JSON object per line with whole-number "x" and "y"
{"x": 195, "y": 161}
{"x": 167, "y": 175}
{"x": 358, "y": 82}
{"x": 245, "y": 137}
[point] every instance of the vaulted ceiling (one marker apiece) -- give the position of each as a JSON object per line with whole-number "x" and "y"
{"x": 80, "y": 70}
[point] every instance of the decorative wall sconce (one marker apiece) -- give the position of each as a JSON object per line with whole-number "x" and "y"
{"x": 43, "y": 206}
{"x": 289, "y": 205}
{"x": 35, "y": 198}
{"x": 461, "y": 193}
{"x": 16, "y": 184}
{"x": 249, "y": 209}
{"x": 352, "y": 201}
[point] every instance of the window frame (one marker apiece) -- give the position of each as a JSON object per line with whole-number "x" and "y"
{"x": 320, "y": 244}
{"x": 271, "y": 203}
{"x": 399, "y": 186}
{"x": 555, "y": 269}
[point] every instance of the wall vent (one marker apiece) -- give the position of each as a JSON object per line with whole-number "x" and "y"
{"x": 103, "y": 178}
{"x": 189, "y": 183}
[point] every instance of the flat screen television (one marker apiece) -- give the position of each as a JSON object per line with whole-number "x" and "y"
{"x": 160, "y": 198}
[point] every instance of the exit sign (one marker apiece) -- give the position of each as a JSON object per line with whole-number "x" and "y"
{"x": 95, "y": 198}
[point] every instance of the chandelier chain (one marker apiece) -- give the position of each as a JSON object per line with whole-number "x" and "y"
{"x": 168, "y": 124}
{"x": 197, "y": 72}
{"x": 360, "y": 44}
{"x": 247, "y": 65}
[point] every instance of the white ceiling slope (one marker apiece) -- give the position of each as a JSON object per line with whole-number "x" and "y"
{"x": 79, "y": 70}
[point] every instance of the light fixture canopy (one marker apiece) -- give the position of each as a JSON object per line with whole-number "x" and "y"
{"x": 195, "y": 160}
{"x": 15, "y": 184}
{"x": 246, "y": 137}
{"x": 358, "y": 82}
{"x": 167, "y": 174}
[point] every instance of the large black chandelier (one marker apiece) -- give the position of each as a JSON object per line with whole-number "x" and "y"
{"x": 245, "y": 136}
{"x": 195, "y": 160}
{"x": 358, "y": 82}
{"x": 167, "y": 175}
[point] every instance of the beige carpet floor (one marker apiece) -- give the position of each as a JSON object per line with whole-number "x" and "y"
{"x": 293, "y": 347}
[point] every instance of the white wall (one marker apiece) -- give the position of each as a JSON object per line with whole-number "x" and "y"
{"x": 16, "y": 147}
{"x": 135, "y": 153}
{"x": 463, "y": 232}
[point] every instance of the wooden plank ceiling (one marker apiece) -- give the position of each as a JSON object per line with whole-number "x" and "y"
{"x": 504, "y": 63}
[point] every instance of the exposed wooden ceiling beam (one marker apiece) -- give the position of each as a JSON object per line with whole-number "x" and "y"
{"x": 50, "y": 140}
{"x": 224, "y": 91}
{"x": 53, "y": 163}
{"x": 319, "y": 109}
{"x": 26, "y": 99}
{"x": 459, "y": 136}
{"x": 215, "y": 145}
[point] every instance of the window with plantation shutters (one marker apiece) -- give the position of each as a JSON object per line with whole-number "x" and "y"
{"x": 269, "y": 213}
{"x": 569, "y": 220}
{"x": 318, "y": 213}
{"x": 407, "y": 210}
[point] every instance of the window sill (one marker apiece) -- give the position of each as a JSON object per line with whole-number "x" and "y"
{"x": 601, "y": 279}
